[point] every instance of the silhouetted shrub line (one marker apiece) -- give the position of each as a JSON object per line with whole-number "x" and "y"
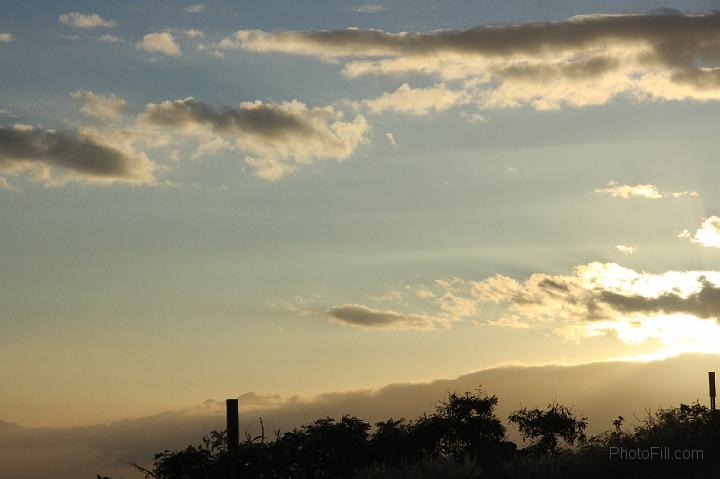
{"x": 462, "y": 438}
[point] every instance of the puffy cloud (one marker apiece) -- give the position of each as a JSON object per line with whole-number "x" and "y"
{"x": 417, "y": 101}
{"x": 363, "y": 317}
{"x": 625, "y": 249}
{"x": 369, "y": 8}
{"x": 640, "y": 190}
{"x": 585, "y": 60}
{"x": 197, "y": 8}
{"x": 99, "y": 106}
{"x": 708, "y": 235}
{"x": 85, "y": 20}
{"x": 160, "y": 42}
{"x": 109, "y": 39}
{"x": 54, "y": 158}
{"x": 6, "y": 37}
{"x": 276, "y": 136}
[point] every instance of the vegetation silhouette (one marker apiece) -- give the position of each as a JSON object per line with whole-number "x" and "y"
{"x": 462, "y": 438}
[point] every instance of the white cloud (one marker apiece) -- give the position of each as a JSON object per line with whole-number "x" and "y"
{"x": 391, "y": 138}
{"x": 197, "y": 8}
{"x": 276, "y": 137}
{"x": 85, "y": 20}
{"x": 417, "y": 101}
{"x": 708, "y": 235}
{"x": 109, "y": 39}
{"x": 617, "y": 190}
{"x": 625, "y": 249}
{"x": 160, "y": 42}
{"x": 640, "y": 190}
{"x": 193, "y": 33}
{"x": 6, "y": 37}
{"x": 98, "y": 106}
{"x": 369, "y": 8}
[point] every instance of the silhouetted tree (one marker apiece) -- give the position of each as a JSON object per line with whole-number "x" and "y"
{"x": 549, "y": 426}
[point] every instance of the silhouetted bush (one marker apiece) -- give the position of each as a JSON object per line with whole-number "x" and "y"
{"x": 461, "y": 439}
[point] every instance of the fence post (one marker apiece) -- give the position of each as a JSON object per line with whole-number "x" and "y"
{"x": 711, "y": 384}
{"x": 233, "y": 425}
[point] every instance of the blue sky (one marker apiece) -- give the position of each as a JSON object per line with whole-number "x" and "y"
{"x": 190, "y": 272}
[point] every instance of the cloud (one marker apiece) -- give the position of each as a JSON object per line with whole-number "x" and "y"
{"x": 581, "y": 61}
{"x": 160, "y": 42}
{"x": 601, "y": 391}
{"x": 369, "y": 8}
{"x": 363, "y": 317}
{"x": 85, "y": 20}
{"x": 5, "y": 185}
{"x": 624, "y": 249}
{"x": 197, "y": 8}
{"x": 640, "y": 190}
{"x": 109, "y": 39}
{"x": 193, "y": 33}
{"x": 391, "y": 138}
{"x": 6, "y": 37}
{"x": 708, "y": 235}
{"x": 98, "y": 106}
{"x": 54, "y": 158}
{"x": 277, "y": 137}
{"x": 416, "y": 101}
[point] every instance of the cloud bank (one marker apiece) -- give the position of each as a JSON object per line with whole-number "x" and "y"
{"x": 601, "y": 391}
{"x": 585, "y": 60}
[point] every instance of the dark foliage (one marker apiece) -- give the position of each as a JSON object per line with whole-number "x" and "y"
{"x": 462, "y": 438}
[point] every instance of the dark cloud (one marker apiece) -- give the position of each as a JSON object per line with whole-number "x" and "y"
{"x": 703, "y": 304}
{"x": 276, "y": 136}
{"x": 76, "y": 156}
{"x": 364, "y": 317}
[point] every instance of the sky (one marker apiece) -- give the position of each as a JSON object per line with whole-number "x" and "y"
{"x": 201, "y": 200}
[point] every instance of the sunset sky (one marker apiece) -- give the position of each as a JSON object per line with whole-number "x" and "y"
{"x": 204, "y": 200}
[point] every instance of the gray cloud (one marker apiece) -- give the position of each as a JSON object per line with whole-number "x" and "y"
{"x": 76, "y": 157}
{"x": 704, "y": 303}
{"x": 277, "y": 137}
{"x": 363, "y": 317}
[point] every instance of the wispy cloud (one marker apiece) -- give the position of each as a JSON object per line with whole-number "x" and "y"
{"x": 640, "y": 190}
{"x": 391, "y": 138}
{"x": 109, "y": 39}
{"x": 85, "y": 20}
{"x": 99, "y": 106}
{"x": 196, "y": 8}
{"x": 625, "y": 249}
{"x": 369, "y": 8}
